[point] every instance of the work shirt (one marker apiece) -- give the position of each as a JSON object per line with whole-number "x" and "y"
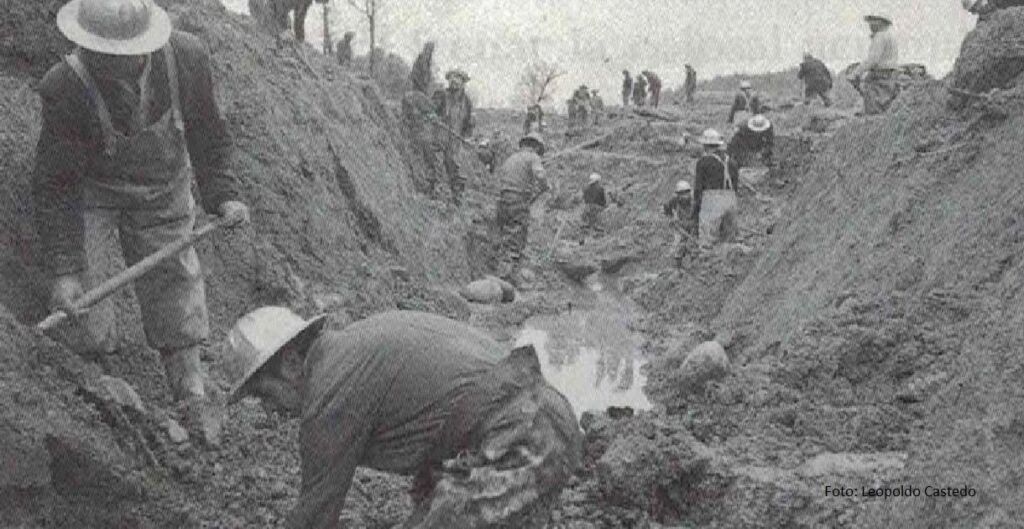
{"x": 748, "y": 141}
{"x": 711, "y": 175}
{"x": 815, "y": 75}
{"x": 680, "y": 206}
{"x": 594, "y": 194}
{"x": 522, "y": 175}
{"x": 455, "y": 110}
{"x": 883, "y": 53}
{"x": 70, "y": 146}
{"x": 745, "y": 103}
{"x": 398, "y": 392}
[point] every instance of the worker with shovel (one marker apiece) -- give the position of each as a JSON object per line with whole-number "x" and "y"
{"x": 127, "y": 118}
{"x": 489, "y": 443}
{"x": 522, "y": 180}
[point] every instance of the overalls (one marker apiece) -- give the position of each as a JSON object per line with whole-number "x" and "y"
{"x": 140, "y": 189}
{"x": 718, "y": 210}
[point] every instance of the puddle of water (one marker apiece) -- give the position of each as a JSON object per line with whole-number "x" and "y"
{"x": 591, "y": 356}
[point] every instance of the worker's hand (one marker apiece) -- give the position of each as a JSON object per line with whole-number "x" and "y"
{"x": 66, "y": 289}
{"x": 234, "y": 212}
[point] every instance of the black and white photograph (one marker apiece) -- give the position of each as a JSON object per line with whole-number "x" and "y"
{"x": 496, "y": 264}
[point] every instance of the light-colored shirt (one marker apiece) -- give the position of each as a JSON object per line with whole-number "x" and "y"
{"x": 523, "y": 173}
{"x": 883, "y": 52}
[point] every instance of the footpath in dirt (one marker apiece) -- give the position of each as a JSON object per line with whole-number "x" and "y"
{"x": 871, "y": 309}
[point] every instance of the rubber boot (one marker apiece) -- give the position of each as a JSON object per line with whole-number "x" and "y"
{"x": 201, "y": 414}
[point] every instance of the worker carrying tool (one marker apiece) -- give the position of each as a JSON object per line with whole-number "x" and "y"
{"x": 455, "y": 110}
{"x": 488, "y": 442}
{"x": 127, "y": 118}
{"x": 714, "y": 192}
{"x": 522, "y": 180}
{"x": 680, "y": 209}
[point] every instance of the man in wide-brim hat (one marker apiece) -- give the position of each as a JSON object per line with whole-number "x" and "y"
{"x": 876, "y": 75}
{"x": 127, "y": 119}
{"x": 455, "y": 109}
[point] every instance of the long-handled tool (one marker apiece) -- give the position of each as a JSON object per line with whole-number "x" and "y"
{"x": 132, "y": 273}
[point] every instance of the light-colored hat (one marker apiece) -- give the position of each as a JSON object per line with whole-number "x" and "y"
{"x": 683, "y": 186}
{"x": 758, "y": 123}
{"x": 745, "y": 84}
{"x": 457, "y": 73}
{"x": 535, "y": 137}
{"x": 257, "y": 337}
{"x": 115, "y": 27}
{"x": 594, "y": 177}
{"x": 711, "y": 137}
{"x": 878, "y": 18}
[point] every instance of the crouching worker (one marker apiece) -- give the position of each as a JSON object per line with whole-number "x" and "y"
{"x": 489, "y": 443}
{"x": 754, "y": 139}
{"x": 679, "y": 208}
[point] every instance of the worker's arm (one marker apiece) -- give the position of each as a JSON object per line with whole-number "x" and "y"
{"x": 64, "y": 151}
{"x": 698, "y": 187}
{"x": 209, "y": 142}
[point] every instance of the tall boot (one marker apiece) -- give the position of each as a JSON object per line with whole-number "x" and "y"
{"x": 201, "y": 414}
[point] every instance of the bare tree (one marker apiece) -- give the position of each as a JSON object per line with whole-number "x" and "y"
{"x": 371, "y": 10}
{"x": 328, "y": 45}
{"x": 538, "y": 80}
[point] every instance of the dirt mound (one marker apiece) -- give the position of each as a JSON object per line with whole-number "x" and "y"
{"x": 888, "y": 297}
{"x": 992, "y": 54}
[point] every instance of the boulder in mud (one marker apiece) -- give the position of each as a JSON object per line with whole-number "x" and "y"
{"x": 653, "y": 469}
{"x": 489, "y": 290}
{"x": 706, "y": 363}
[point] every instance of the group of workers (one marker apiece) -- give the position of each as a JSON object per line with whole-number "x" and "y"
{"x": 638, "y": 89}
{"x": 584, "y": 108}
{"x": 130, "y": 122}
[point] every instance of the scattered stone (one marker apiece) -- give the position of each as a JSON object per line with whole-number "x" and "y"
{"x": 175, "y": 432}
{"x": 119, "y": 392}
{"x": 489, "y": 290}
{"x": 706, "y": 363}
{"x": 399, "y": 272}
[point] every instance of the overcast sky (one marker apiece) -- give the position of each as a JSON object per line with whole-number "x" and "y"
{"x": 594, "y": 40}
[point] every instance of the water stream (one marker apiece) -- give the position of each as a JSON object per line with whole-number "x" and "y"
{"x": 591, "y": 355}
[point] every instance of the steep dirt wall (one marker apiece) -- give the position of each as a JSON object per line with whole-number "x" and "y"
{"x": 893, "y": 285}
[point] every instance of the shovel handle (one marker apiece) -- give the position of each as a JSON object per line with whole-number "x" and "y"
{"x": 132, "y": 273}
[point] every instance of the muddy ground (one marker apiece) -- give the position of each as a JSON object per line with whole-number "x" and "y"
{"x": 871, "y": 310}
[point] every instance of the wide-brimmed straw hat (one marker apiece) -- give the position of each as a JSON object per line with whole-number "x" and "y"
{"x": 115, "y": 27}
{"x": 758, "y": 123}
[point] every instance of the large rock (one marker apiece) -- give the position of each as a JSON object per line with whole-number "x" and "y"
{"x": 655, "y": 467}
{"x": 992, "y": 54}
{"x": 488, "y": 290}
{"x": 706, "y": 363}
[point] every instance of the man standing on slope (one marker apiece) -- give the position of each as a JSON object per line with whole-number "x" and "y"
{"x": 640, "y": 91}
{"x": 488, "y": 442}
{"x": 522, "y": 180}
{"x": 817, "y": 80}
{"x": 456, "y": 113}
{"x": 653, "y": 86}
{"x": 691, "y": 83}
{"x": 714, "y": 192}
{"x": 128, "y": 117}
{"x": 745, "y": 105}
{"x": 876, "y": 76}
{"x": 627, "y": 88}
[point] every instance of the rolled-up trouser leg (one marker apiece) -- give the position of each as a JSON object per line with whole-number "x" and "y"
{"x": 512, "y": 479}
{"x": 513, "y": 223}
{"x": 96, "y": 331}
{"x": 879, "y": 90}
{"x": 717, "y": 216}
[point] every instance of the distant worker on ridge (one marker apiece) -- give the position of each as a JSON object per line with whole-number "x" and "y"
{"x": 627, "y": 88}
{"x": 817, "y": 80}
{"x": 596, "y": 105}
{"x": 344, "y": 49}
{"x": 714, "y": 192}
{"x": 534, "y": 115}
{"x": 690, "y": 85}
{"x": 653, "y": 87}
{"x": 640, "y": 91}
{"x": 876, "y": 75}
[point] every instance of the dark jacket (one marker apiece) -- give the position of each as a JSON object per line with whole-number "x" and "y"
{"x": 456, "y": 110}
{"x": 711, "y": 175}
{"x": 627, "y": 85}
{"x": 679, "y": 207}
{"x": 751, "y": 104}
{"x": 815, "y": 75}
{"x": 71, "y": 143}
{"x": 594, "y": 194}
{"x": 746, "y": 141}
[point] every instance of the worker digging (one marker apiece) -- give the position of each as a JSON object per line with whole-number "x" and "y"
{"x": 259, "y": 272}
